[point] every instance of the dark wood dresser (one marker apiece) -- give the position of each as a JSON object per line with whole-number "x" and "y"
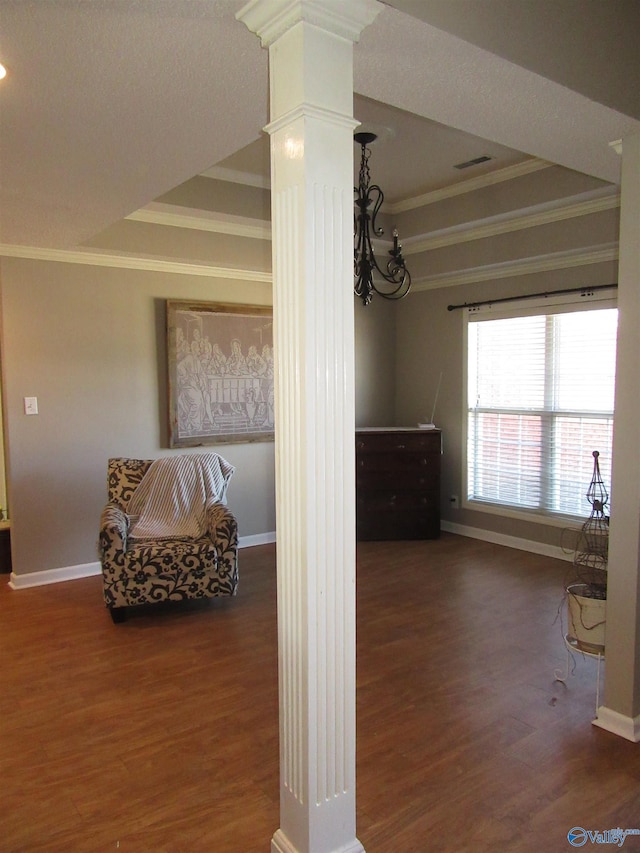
{"x": 398, "y": 483}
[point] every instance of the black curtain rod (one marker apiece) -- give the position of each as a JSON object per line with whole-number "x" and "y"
{"x": 585, "y": 291}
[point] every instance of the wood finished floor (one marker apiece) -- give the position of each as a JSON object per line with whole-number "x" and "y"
{"x": 161, "y": 734}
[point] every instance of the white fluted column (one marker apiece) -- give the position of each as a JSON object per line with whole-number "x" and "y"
{"x": 311, "y": 86}
{"x": 620, "y": 712}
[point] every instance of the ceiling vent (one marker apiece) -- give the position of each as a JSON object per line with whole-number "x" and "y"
{"x": 472, "y": 162}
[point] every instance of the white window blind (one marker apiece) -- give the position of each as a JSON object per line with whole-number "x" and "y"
{"x": 540, "y": 397}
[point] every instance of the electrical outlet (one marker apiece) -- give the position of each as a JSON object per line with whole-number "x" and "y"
{"x": 31, "y": 405}
{"x": 454, "y": 500}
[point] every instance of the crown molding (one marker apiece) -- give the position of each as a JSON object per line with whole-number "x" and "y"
{"x": 518, "y": 170}
{"x": 133, "y": 262}
{"x": 506, "y": 223}
{"x": 199, "y": 220}
{"x": 235, "y": 176}
{"x": 175, "y": 216}
{"x": 507, "y": 269}
{"x": 527, "y": 266}
{"x": 192, "y": 218}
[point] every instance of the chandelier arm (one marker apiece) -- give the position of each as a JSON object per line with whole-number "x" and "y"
{"x": 373, "y": 196}
{"x": 376, "y": 207}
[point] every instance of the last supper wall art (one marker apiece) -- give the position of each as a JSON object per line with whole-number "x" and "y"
{"x": 220, "y": 361}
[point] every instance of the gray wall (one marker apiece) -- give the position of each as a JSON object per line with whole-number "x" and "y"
{"x": 89, "y": 343}
{"x": 375, "y": 360}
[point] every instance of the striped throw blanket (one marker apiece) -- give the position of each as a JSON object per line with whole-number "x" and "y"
{"x": 171, "y": 500}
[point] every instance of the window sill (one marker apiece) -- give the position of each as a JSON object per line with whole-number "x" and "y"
{"x": 531, "y": 516}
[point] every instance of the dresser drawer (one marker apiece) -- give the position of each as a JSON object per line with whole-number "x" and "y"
{"x": 422, "y": 464}
{"x": 399, "y": 442}
{"x": 390, "y": 520}
{"x": 378, "y": 502}
{"x": 423, "y": 474}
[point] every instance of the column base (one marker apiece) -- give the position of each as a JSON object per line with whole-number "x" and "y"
{"x": 618, "y": 724}
{"x": 281, "y": 844}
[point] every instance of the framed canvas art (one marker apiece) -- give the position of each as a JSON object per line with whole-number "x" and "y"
{"x": 220, "y": 373}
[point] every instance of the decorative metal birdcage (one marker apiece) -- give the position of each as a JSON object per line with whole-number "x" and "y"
{"x": 592, "y": 549}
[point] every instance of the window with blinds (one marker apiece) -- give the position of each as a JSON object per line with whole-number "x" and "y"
{"x": 540, "y": 396}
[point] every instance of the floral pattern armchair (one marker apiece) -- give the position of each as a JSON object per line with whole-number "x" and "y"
{"x": 141, "y": 571}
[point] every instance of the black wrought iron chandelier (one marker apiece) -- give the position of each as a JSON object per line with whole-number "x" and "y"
{"x": 396, "y": 279}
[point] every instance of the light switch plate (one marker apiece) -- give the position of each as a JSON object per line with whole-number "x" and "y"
{"x": 31, "y": 405}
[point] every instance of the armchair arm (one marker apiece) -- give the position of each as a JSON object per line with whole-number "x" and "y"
{"x": 114, "y": 527}
{"x": 222, "y": 527}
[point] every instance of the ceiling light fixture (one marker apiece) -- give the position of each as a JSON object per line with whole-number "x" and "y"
{"x": 396, "y": 280}
{"x": 3, "y": 71}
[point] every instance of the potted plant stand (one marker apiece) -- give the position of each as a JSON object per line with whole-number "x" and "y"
{"x": 586, "y": 594}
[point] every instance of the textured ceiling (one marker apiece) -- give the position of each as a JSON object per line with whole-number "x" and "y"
{"x": 431, "y": 73}
{"x": 590, "y": 46}
{"x": 110, "y": 103}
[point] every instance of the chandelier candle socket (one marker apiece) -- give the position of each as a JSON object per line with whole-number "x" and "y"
{"x": 396, "y": 280}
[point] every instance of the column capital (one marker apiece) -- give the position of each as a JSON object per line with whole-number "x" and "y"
{"x": 269, "y": 19}
{"x": 311, "y": 111}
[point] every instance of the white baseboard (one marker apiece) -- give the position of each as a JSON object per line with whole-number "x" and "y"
{"x": 618, "y": 724}
{"x": 86, "y": 570}
{"x": 67, "y": 573}
{"x": 281, "y": 844}
{"x": 257, "y": 539}
{"x": 509, "y": 541}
